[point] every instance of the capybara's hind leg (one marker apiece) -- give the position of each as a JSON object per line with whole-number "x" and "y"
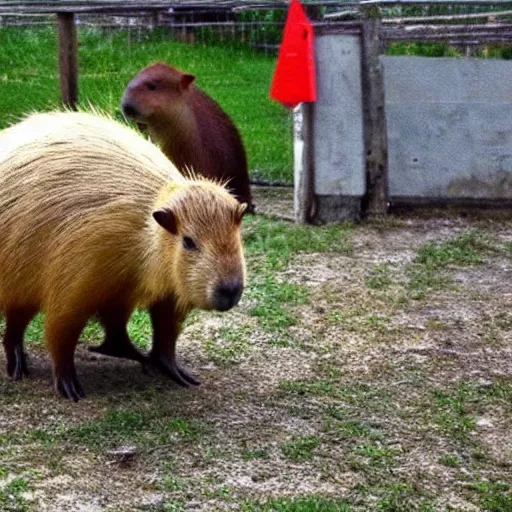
{"x": 16, "y": 323}
{"x": 166, "y": 322}
{"x": 62, "y": 334}
{"x": 117, "y": 343}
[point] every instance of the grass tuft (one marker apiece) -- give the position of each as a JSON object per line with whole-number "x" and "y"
{"x": 300, "y": 449}
{"x": 312, "y": 503}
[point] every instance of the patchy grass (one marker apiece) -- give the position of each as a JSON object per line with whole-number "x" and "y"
{"x": 230, "y": 345}
{"x": 467, "y": 249}
{"x": 124, "y": 427}
{"x": 300, "y": 504}
{"x": 451, "y": 461}
{"x": 375, "y": 454}
{"x": 276, "y": 242}
{"x": 11, "y": 495}
{"x": 255, "y": 453}
{"x": 271, "y": 245}
{"x": 429, "y": 269}
{"x": 331, "y": 390}
{"x": 403, "y": 498}
{"x": 380, "y": 278}
{"x": 300, "y": 448}
{"x": 272, "y": 300}
{"x": 453, "y": 411}
{"x": 494, "y": 496}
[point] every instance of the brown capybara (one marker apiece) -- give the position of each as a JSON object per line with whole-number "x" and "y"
{"x": 189, "y": 126}
{"x": 96, "y": 221}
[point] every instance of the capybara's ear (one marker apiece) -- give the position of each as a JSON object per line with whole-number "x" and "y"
{"x": 239, "y": 213}
{"x": 186, "y": 80}
{"x": 167, "y": 220}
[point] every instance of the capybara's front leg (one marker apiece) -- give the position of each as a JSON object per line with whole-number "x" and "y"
{"x": 117, "y": 343}
{"x": 16, "y": 323}
{"x": 167, "y": 322}
{"x": 62, "y": 334}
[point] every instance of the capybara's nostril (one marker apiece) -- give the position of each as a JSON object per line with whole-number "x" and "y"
{"x": 227, "y": 294}
{"x": 129, "y": 110}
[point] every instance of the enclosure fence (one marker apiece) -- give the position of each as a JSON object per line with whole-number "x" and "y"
{"x": 465, "y": 24}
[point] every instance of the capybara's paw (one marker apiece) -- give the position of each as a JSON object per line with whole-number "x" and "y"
{"x": 17, "y": 364}
{"x": 173, "y": 370}
{"x": 69, "y": 387}
{"x": 187, "y": 377}
{"x": 120, "y": 350}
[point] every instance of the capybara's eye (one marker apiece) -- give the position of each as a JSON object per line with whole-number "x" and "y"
{"x": 151, "y": 86}
{"x": 189, "y": 244}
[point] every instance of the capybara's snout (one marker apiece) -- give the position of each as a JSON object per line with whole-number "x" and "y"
{"x": 227, "y": 294}
{"x": 129, "y": 110}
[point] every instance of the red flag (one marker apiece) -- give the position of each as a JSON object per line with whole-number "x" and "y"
{"x": 294, "y": 78}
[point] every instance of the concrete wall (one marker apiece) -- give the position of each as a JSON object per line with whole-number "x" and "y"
{"x": 449, "y": 125}
{"x": 337, "y": 118}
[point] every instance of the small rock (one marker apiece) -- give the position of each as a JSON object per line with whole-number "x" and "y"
{"x": 484, "y": 423}
{"x": 418, "y": 327}
{"x": 123, "y": 453}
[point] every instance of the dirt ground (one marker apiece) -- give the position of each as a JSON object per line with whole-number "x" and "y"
{"x": 384, "y": 384}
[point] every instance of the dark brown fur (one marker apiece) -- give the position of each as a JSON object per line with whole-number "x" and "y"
{"x": 191, "y": 128}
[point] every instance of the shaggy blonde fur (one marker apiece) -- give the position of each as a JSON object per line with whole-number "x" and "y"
{"x": 77, "y": 194}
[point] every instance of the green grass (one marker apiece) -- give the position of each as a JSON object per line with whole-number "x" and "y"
{"x": 311, "y": 503}
{"x": 142, "y": 428}
{"x": 301, "y": 448}
{"x": 347, "y": 429}
{"x": 465, "y": 250}
{"x": 229, "y": 346}
{"x": 276, "y": 242}
{"x": 494, "y": 496}
{"x": 380, "y": 277}
{"x": 375, "y": 454}
{"x": 445, "y": 50}
{"x": 11, "y": 498}
{"x": 139, "y": 329}
{"x": 429, "y": 269}
{"x": 272, "y": 299}
{"x": 402, "y": 497}
{"x": 235, "y": 76}
{"x": 270, "y": 245}
{"x": 450, "y": 461}
{"x": 452, "y": 412}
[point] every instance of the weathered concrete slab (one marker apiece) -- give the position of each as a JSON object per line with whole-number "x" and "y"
{"x": 338, "y": 121}
{"x": 449, "y": 127}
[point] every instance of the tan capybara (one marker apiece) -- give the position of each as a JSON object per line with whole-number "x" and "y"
{"x": 189, "y": 126}
{"x": 95, "y": 221}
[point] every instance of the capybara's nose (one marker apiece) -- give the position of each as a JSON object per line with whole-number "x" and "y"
{"x": 129, "y": 110}
{"x": 227, "y": 294}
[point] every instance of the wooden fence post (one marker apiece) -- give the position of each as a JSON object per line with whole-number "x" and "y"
{"x": 304, "y": 187}
{"x": 375, "y": 202}
{"x": 68, "y": 68}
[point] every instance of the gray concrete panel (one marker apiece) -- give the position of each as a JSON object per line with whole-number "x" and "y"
{"x": 449, "y": 127}
{"x": 338, "y": 118}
